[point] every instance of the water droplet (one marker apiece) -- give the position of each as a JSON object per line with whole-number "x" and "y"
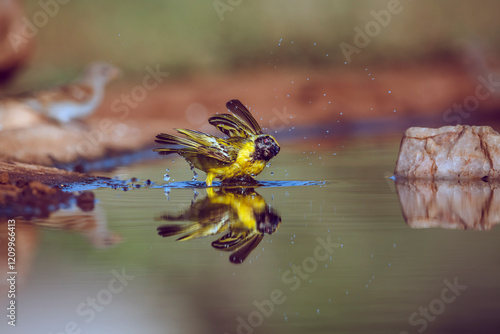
{"x": 166, "y": 177}
{"x": 272, "y": 173}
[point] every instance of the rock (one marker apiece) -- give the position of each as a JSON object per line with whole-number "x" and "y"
{"x": 17, "y": 115}
{"x": 450, "y": 152}
{"x": 22, "y": 174}
{"x": 469, "y": 205}
{"x": 44, "y": 144}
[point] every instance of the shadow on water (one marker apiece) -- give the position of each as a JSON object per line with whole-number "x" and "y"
{"x": 468, "y": 205}
{"x": 240, "y": 213}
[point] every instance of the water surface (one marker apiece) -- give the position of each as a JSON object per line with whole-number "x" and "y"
{"x": 375, "y": 274}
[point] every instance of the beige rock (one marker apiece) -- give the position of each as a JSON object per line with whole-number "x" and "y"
{"x": 45, "y": 143}
{"x": 18, "y": 115}
{"x": 450, "y": 152}
{"x": 449, "y": 204}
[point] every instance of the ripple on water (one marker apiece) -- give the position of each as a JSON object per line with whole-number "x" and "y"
{"x": 260, "y": 184}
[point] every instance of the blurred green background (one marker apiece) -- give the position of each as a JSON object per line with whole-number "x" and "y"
{"x": 189, "y": 36}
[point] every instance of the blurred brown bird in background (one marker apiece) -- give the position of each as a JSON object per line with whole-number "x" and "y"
{"x": 60, "y": 104}
{"x": 74, "y": 100}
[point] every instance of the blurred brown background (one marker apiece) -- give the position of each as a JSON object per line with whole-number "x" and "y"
{"x": 408, "y": 62}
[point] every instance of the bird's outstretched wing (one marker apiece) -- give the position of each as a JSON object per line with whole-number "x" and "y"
{"x": 242, "y": 243}
{"x": 197, "y": 143}
{"x": 231, "y": 126}
{"x": 240, "y": 111}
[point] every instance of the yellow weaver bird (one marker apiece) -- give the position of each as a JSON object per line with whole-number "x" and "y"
{"x": 241, "y": 156}
{"x": 241, "y": 213}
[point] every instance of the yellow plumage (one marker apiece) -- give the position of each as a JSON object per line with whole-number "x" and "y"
{"x": 241, "y": 213}
{"x": 242, "y": 155}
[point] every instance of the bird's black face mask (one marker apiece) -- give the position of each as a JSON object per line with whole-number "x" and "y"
{"x": 266, "y": 148}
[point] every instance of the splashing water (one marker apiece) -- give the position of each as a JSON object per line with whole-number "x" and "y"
{"x": 260, "y": 184}
{"x": 195, "y": 175}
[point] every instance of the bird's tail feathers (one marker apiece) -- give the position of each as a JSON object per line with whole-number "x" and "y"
{"x": 176, "y": 229}
{"x": 195, "y": 143}
{"x": 175, "y": 144}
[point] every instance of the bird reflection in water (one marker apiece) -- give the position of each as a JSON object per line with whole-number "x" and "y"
{"x": 240, "y": 213}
